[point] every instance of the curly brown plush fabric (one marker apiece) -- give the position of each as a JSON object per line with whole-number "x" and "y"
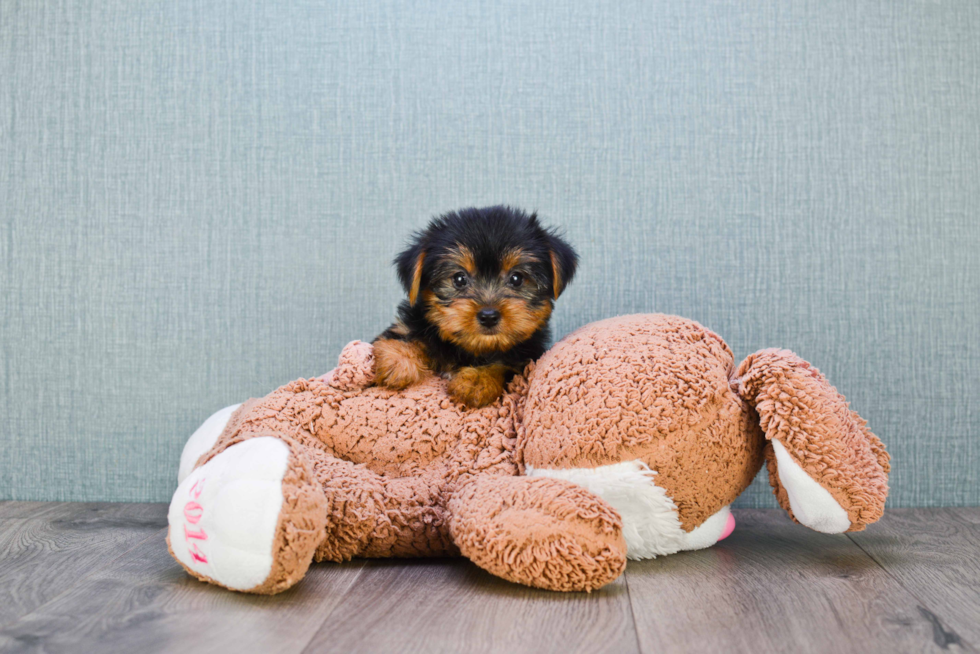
{"x": 378, "y": 473}
{"x": 388, "y": 461}
{"x": 540, "y": 532}
{"x": 798, "y": 407}
{"x": 649, "y": 387}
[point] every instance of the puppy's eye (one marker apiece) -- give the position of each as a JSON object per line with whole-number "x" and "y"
{"x": 515, "y": 280}
{"x": 459, "y": 280}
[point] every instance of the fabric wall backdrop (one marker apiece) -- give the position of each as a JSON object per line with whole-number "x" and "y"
{"x": 199, "y": 200}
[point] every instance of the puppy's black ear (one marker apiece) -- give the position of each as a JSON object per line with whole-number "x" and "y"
{"x": 409, "y": 266}
{"x": 564, "y": 260}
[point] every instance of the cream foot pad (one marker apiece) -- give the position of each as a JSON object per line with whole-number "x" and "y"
{"x": 224, "y": 515}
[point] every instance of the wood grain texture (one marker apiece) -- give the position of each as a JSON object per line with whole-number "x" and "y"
{"x": 16, "y": 509}
{"x": 43, "y": 556}
{"x": 145, "y": 602}
{"x": 935, "y": 554}
{"x": 451, "y": 605}
{"x": 774, "y": 586}
{"x": 101, "y": 513}
{"x": 91, "y": 577}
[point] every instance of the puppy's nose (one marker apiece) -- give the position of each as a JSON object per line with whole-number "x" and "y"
{"x": 488, "y": 317}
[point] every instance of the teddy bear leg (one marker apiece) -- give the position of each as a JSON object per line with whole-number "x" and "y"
{"x": 250, "y": 518}
{"x": 827, "y": 470}
{"x": 542, "y": 532}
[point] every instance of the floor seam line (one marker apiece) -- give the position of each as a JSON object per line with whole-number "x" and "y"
{"x": 629, "y": 597}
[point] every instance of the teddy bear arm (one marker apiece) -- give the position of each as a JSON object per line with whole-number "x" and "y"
{"x": 355, "y": 367}
{"x": 826, "y": 468}
{"x": 541, "y": 532}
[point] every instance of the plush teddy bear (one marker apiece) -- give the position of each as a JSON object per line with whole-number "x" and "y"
{"x": 630, "y": 438}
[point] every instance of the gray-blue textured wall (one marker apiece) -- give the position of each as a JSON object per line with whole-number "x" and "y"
{"x": 199, "y": 200}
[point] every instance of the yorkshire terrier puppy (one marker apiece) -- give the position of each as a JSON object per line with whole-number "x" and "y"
{"x": 481, "y": 286}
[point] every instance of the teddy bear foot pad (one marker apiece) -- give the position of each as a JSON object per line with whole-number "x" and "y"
{"x": 224, "y": 516}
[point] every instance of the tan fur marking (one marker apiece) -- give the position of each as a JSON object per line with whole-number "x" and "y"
{"x": 478, "y": 386}
{"x": 556, "y": 274}
{"x": 464, "y": 258}
{"x": 515, "y": 257}
{"x": 413, "y": 293}
{"x": 399, "y": 364}
{"x": 519, "y": 320}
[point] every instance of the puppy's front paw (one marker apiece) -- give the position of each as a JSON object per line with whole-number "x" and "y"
{"x": 398, "y": 364}
{"x": 477, "y": 387}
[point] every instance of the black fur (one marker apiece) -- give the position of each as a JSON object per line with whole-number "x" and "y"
{"x": 488, "y": 233}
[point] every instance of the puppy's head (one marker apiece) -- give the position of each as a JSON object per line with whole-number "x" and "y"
{"x": 487, "y": 278}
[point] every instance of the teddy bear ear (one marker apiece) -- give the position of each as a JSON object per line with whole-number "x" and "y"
{"x": 355, "y": 367}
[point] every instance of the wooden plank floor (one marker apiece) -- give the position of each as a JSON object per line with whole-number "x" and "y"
{"x": 98, "y": 578}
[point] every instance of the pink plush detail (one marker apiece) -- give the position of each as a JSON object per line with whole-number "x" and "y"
{"x": 197, "y": 554}
{"x": 193, "y": 512}
{"x": 197, "y": 535}
{"x": 729, "y": 527}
